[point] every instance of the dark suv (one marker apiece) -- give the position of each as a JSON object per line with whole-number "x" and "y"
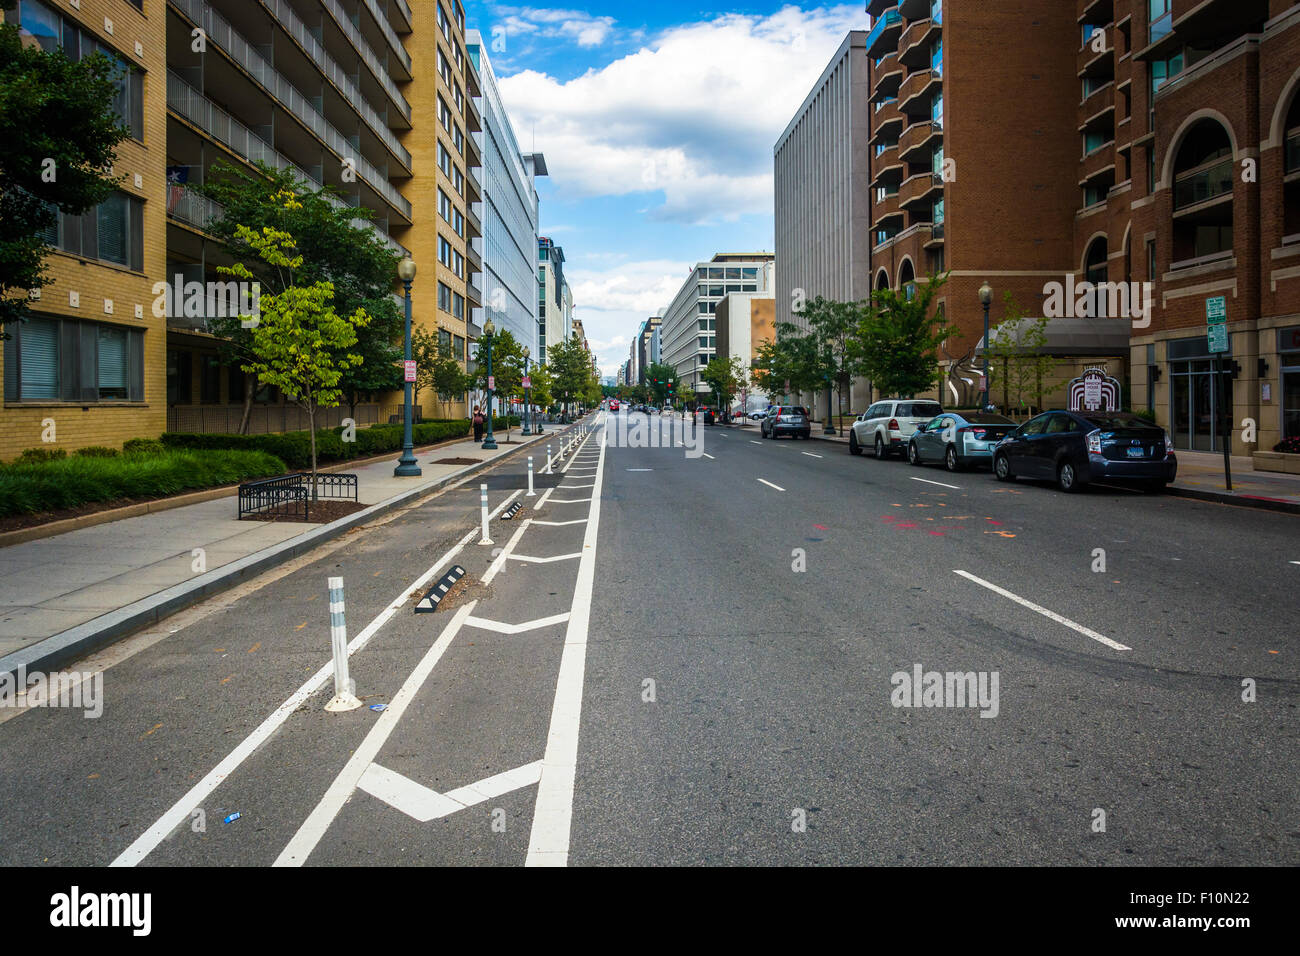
{"x": 786, "y": 420}
{"x": 1075, "y": 448}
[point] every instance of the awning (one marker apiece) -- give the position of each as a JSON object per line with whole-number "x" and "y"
{"x": 1079, "y": 337}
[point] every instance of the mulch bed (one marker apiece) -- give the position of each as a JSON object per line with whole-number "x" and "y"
{"x": 456, "y": 461}
{"x": 321, "y": 512}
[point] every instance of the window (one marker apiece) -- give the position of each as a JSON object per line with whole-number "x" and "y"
{"x": 66, "y": 360}
{"x": 444, "y": 297}
{"x": 936, "y": 110}
{"x": 1093, "y": 141}
{"x": 1160, "y": 18}
{"x": 113, "y": 231}
{"x": 458, "y": 222}
{"x": 936, "y": 212}
{"x": 209, "y": 376}
{"x": 1035, "y": 426}
{"x": 1162, "y": 71}
{"x": 458, "y": 305}
{"x": 444, "y": 342}
{"x": 444, "y": 205}
{"x": 936, "y": 55}
{"x": 1151, "y": 260}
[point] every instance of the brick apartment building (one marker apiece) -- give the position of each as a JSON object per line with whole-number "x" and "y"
{"x": 1031, "y": 142}
{"x": 334, "y": 90}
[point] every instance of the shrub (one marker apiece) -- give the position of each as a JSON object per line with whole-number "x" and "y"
{"x": 37, "y": 455}
{"x": 294, "y": 448}
{"x": 143, "y": 446}
{"x": 96, "y": 451}
{"x": 1289, "y": 445}
{"x": 71, "y": 482}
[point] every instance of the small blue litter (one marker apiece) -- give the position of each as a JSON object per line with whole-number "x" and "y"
{"x": 378, "y": 706}
{"x": 232, "y": 818}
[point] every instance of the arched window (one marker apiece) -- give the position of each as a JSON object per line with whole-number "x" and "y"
{"x": 907, "y": 278}
{"x": 882, "y": 280}
{"x": 1094, "y": 263}
{"x": 1203, "y": 181}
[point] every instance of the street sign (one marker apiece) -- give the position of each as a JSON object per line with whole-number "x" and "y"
{"x": 492, "y": 383}
{"x": 1216, "y": 318}
{"x": 409, "y": 369}
{"x": 528, "y": 382}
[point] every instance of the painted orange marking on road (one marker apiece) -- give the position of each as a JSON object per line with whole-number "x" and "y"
{"x": 301, "y": 626}
{"x": 228, "y": 679}
{"x": 254, "y": 648}
{"x": 93, "y": 776}
{"x": 150, "y": 731}
{"x": 220, "y": 650}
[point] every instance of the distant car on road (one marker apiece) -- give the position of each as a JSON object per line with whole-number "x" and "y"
{"x": 613, "y": 406}
{"x": 786, "y": 420}
{"x": 886, "y": 426}
{"x": 1076, "y": 448}
{"x": 958, "y": 441}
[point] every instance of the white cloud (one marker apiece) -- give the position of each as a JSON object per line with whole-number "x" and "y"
{"x": 692, "y": 115}
{"x": 614, "y": 301}
{"x": 582, "y": 28}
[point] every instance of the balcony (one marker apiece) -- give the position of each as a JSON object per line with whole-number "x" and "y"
{"x": 876, "y": 7}
{"x": 1094, "y": 64}
{"x": 474, "y": 258}
{"x": 886, "y": 158}
{"x": 917, "y": 192}
{"x": 890, "y": 175}
{"x": 887, "y": 213}
{"x": 889, "y": 76}
{"x": 914, "y": 43}
{"x": 886, "y": 124}
{"x": 473, "y": 155}
{"x": 1194, "y": 190}
{"x": 936, "y": 236}
{"x": 917, "y": 91}
{"x": 1098, "y": 110}
{"x": 914, "y": 9}
{"x": 359, "y": 43}
{"x": 192, "y": 208}
{"x": 1096, "y": 11}
{"x": 883, "y": 37}
{"x": 1098, "y": 167}
{"x": 473, "y": 118}
{"x": 1202, "y": 24}
{"x": 918, "y": 141}
{"x": 474, "y": 292}
{"x": 471, "y": 217}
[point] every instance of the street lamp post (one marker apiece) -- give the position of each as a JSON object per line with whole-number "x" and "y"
{"x": 489, "y": 443}
{"x": 528, "y": 403}
{"x": 407, "y": 466}
{"x": 986, "y": 297}
{"x": 830, "y": 426}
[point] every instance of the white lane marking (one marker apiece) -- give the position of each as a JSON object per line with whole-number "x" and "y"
{"x": 1085, "y": 631}
{"x": 532, "y": 560}
{"x": 405, "y": 795}
{"x": 339, "y": 792}
{"x": 568, "y": 501}
{"x": 542, "y": 500}
{"x": 638, "y": 469}
{"x": 752, "y": 442}
{"x": 809, "y": 454}
{"x": 548, "y": 843}
{"x": 770, "y": 485}
{"x": 501, "y": 627}
{"x": 499, "y": 561}
{"x": 708, "y": 456}
{"x": 574, "y": 487}
{"x": 180, "y": 811}
{"x": 1295, "y": 562}
{"x": 939, "y": 483}
{"x": 559, "y": 524}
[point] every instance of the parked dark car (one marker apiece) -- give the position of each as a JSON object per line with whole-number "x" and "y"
{"x": 958, "y": 441}
{"x": 786, "y": 420}
{"x": 1076, "y": 448}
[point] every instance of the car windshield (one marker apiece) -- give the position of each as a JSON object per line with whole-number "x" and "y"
{"x": 1111, "y": 423}
{"x": 919, "y": 409}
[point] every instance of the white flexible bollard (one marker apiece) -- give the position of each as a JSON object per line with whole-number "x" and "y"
{"x": 483, "y": 503}
{"x": 345, "y": 697}
{"x": 531, "y": 493}
{"x": 549, "y": 470}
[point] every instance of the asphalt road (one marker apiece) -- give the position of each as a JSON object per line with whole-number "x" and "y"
{"x": 706, "y": 672}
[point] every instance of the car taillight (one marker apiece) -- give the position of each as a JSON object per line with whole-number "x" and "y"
{"x": 893, "y": 424}
{"x": 1094, "y": 442}
{"x": 979, "y": 434}
{"x": 1169, "y": 444}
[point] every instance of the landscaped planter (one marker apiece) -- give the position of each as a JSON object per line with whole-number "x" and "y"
{"x": 1277, "y": 461}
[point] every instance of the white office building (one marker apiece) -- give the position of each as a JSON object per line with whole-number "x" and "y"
{"x": 687, "y": 334}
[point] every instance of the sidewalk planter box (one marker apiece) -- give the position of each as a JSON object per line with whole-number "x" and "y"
{"x": 293, "y": 493}
{"x": 1277, "y": 461}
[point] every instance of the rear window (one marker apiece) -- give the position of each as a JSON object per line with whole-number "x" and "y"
{"x": 919, "y": 409}
{"x": 1113, "y": 422}
{"x": 793, "y": 410}
{"x": 987, "y": 419}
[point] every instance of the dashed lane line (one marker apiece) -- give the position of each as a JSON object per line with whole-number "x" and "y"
{"x": 939, "y": 483}
{"x": 770, "y": 485}
{"x": 1085, "y": 631}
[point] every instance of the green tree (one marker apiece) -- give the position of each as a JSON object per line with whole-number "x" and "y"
{"x": 1018, "y": 359}
{"x": 359, "y": 265}
{"x": 833, "y": 327}
{"x": 300, "y": 343}
{"x": 540, "y": 393}
{"x": 507, "y": 369}
{"x": 58, "y": 135}
{"x": 898, "y": 338}
{"x": 725, "y": 375}
{"x": 660, "y": 379}
{"x": 571, "y": 372}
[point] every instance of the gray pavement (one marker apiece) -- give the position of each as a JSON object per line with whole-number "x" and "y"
{"x": 721, "y": 689}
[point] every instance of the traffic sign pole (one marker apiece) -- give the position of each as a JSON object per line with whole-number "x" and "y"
{"x": 1216, "y": 331}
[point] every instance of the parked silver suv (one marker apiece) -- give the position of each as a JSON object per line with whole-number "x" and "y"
{"x": 886, "y": 426}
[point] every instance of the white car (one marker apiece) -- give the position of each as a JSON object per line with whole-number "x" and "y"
{"x": 886, "y": 426}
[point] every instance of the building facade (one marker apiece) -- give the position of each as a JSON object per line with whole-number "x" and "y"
{"x": 687, "y": 331}
{"x": 554, "y": 300}
{"x": 745, "y": 320}
{"x": 510, "y": 211}
{"x": 327, "y": 89}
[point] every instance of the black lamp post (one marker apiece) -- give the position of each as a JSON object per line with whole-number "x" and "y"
{"x": 528, "y": 404}
{"x": 489, "y": 443}
{"x": 407, "y": 466}
{"x": 986, "y": 297}
{"x": 830, "y": 426}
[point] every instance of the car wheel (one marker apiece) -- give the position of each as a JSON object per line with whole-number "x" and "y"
{"x": 881, "y": 451}
{"x": 913, "y": 456}
{"x": 951, "y": 460}
{"x": 1002, "y": 468}
{"x": 1067, "y": 478}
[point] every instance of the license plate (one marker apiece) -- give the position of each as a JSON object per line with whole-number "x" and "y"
{"x": 1137, "y": 452}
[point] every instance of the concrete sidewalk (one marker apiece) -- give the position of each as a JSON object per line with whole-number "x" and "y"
{"x": 86, "y": 587}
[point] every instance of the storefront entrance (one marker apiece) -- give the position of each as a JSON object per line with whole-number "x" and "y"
{"x": 1200, "y": 410}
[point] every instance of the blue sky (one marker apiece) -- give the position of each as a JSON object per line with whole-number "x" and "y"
{"x": 657, "y": 121}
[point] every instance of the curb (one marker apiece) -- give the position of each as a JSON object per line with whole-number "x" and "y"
{"x": 1241, "y": 501}
{"x": 97, "y": 633}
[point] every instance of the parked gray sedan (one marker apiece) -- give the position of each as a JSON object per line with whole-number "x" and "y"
{"x": 958, "y": 441}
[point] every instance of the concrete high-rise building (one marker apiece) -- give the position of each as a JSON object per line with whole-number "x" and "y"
{"x": 647, "y": 346}
{"x": 822, "y": 175}
{"x": 687, "y": 330}
{"x": 554, "y": 300}
{"x": 510, "y": 211}
{"x": 336, "y": 92}
{"x": 745, "y": 320}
